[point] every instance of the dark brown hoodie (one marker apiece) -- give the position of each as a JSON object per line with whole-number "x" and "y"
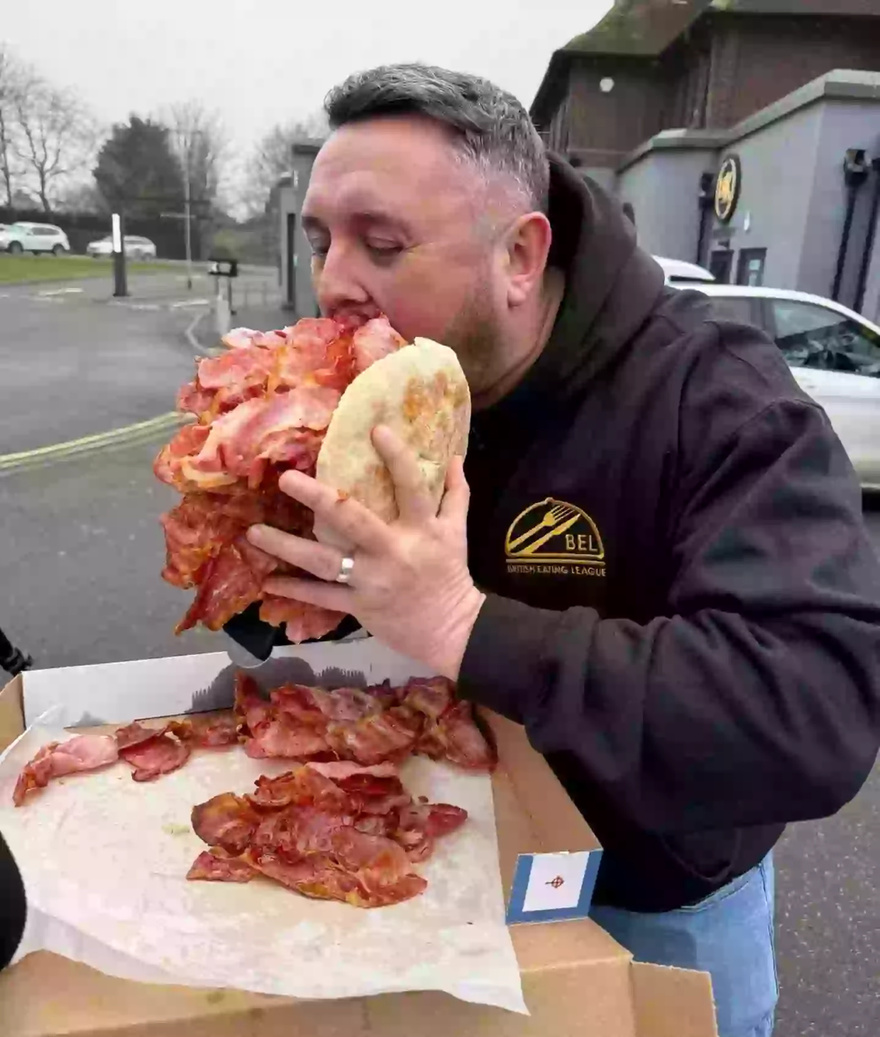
{"x": 684, "y": 607}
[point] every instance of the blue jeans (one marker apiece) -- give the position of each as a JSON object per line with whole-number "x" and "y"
{"x": 729, "y": 935}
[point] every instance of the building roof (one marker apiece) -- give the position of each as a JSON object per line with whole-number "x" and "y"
{"x": 638, "y": 27}
{"x": 646, "y": 28}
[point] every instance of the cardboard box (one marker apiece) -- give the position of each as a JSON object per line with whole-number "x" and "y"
{"x": 577, "y": 981}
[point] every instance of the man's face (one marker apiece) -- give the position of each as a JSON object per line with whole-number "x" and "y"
{"x": 400, "y": 225}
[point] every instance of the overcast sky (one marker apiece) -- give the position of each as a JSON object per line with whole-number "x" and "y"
{"x": 278, "y": 59}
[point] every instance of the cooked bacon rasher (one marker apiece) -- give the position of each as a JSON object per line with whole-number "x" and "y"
{"x": 261, "y": 408}
{"x": 149, "y": 750}
{"x": 81, "y": 753}
{"x": 335, "y": 831}
{"x": 367, "y": 726}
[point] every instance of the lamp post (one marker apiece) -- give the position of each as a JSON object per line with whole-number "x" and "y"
{"x": 187, "y": 219}
{"x": 194, "y": 135}
{"x": 120, "y": 285}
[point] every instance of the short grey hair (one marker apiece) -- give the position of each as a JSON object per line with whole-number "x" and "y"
{"x": 490, "y": 127}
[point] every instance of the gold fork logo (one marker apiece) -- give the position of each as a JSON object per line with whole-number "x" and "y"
{"x": 555, "y": 530}
{"x": 558, "y": 513}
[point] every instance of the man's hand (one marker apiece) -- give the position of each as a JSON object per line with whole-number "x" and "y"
{"x": 410, "y": 585}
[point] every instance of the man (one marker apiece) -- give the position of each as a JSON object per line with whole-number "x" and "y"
{"x": 662, "y": 572}
{"x": 12, "y": 905}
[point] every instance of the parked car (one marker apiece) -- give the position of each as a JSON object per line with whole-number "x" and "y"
{"x": 834, "y": 354}
{"x": 678, "y": 270}
{"x": 135, "y": 247}
{"x": 34, "y": 237}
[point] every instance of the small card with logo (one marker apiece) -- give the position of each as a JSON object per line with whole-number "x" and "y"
{"x": 552, "y": 887}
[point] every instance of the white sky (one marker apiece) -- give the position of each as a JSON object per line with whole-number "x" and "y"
{"x": 267, "y": 61}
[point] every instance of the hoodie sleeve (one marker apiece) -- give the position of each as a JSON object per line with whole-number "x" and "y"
{"x": 756, "y": 699}
{"x": 12, "y": 905}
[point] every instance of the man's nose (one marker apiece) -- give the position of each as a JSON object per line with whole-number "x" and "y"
{"x": 336, "y": 282}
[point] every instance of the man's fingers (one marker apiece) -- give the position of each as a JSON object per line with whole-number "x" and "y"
{"x": 318, "y": 559}
{"x": 454, "y": 506}
{"x": 313, "y": 592}
{"x": 355, "y": 523}
{"x": 413, "y": 501}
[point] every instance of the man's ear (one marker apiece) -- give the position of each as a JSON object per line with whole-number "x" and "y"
{"x": 527, "y": 247}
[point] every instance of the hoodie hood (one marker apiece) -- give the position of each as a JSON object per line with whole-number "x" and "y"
{"x": 611, "y": 288}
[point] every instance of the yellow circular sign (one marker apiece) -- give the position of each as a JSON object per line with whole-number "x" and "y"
{"x": 727, "y": 188}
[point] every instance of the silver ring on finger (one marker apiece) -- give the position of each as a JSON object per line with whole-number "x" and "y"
{"x": 345, "y": 568}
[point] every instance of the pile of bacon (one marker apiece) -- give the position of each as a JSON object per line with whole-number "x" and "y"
{"x": 341, "y": 826}
{"x": 262, "y": 407}
{"x": 336, "y": 831}
{"x": 367, "y": 726}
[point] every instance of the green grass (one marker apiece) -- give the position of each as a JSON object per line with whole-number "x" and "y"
{"x": 25, "y": 268}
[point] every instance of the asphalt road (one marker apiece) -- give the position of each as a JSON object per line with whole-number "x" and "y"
{"x": 828, "y": 912}
{"x": 76, "y": 361}
{"x": 80, "y": 578}
{"x": 82, "y": 552}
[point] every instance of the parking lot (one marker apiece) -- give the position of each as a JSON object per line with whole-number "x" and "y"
{"x": 78, "y": 361}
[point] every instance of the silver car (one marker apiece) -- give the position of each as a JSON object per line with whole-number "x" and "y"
{"x": 136, "y": 247}
{"x": 834, "y": 354}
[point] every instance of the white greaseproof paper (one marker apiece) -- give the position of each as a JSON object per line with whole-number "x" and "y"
{"x": 104, "y": 861}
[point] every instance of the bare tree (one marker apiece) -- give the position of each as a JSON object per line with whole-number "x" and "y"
{"x": 200, "y": 143}
{"x": 55, "y": 135}
{"x": 272, "y": 156}
{"x": 10, "y": 80}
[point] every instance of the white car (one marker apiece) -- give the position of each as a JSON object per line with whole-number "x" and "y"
{"x": 135, "y": 247}
{"x": 677, "y": 270}
{"x": 834, "y": 354}
{"x": 34, "y": 237}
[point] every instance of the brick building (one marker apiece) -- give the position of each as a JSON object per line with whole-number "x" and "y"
{"x": 654, "y": 99}
{"x": 693, "y": 64}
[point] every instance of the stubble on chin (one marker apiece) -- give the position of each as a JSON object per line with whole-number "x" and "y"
{"x": 474, "y": 336}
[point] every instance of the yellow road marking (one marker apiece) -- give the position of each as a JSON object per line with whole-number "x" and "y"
{"x": 139, "y": 430}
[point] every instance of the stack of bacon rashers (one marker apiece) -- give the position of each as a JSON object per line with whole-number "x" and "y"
{"x": 341, "y": 825}
{"x": 262, "y": 407}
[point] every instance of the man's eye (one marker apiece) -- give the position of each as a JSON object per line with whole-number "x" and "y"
{"x": 320, "y": 248}
{"x": 383, "y": 249}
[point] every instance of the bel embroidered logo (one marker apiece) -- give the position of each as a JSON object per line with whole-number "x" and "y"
{"x": 549, "y": 887}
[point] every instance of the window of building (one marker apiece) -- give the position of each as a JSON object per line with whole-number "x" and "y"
{"x": 750, "y": 270}
{"x": 721, "y": 264}
{"x": 815, "y": 336}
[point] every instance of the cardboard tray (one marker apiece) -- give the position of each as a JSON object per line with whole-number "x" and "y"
{"x": 577, "y": 981}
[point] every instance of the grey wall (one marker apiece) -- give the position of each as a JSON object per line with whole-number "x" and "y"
{"x": 663, "y": 188}
{"x": 792, "y": 201}
{"x": 778, "y": 163}
{"x": 844, "y": 124}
